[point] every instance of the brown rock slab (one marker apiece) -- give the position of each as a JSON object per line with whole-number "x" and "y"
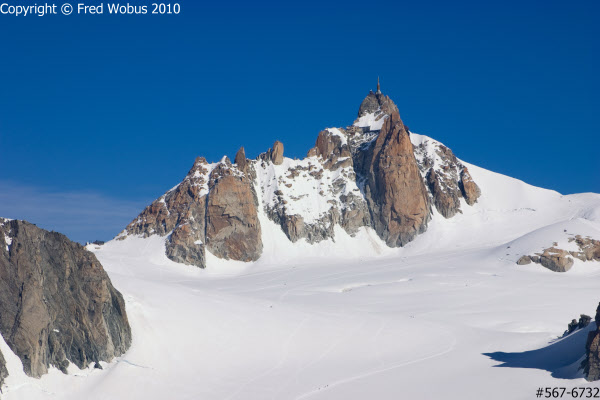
{"x": 240, "y": 160}
{"x": 232, "y": 227}
{"x": 470, "y": 190}
{"x": 556, "y": 260}
{"x": 395, "y": 191}
{"x": 277, "y": 153}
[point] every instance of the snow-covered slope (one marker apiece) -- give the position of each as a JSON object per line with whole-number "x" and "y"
{"x": 348, "y": 317}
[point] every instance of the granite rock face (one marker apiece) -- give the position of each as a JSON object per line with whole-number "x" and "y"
{"x": 274, "y": 154}
{"x": 394, "y": 189}
{"x": 241, "y": 161}
{"x": 184, "y": 247}
{"x": 179, "y": 213}
{"x": 380, "y": 105}
{"x": 57, "y": 304}
{"x": 214, "y": 207}
{"x": 232, "y": 226}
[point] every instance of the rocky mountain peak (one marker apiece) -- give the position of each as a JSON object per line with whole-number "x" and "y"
{"x": 199, "y": 167}
{"x": 375, "y": 102}
{"x": 374, "y": 173}
{"x": 240, "y": 160}
{"x": 374, "y": 110}
{"x": 274, "y": 154}
{"x": 395, "y": 190}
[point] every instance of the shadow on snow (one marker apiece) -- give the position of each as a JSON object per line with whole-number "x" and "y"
{"x": 561, "y": 357}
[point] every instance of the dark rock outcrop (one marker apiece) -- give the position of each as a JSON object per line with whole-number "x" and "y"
{"x": 3, "y": 370}
{"x": 182, "y": 204}
{"x": 394, "y": 190}
{"x": 57, "y": 304}
{"x": 445, "y": 199}
{"x": 447, "y": 178}
{"x": 184, "y": 246}
{"x": 179, "y": 213}
{"x": 591, "y": 364}
{"x": 584, "y": 320}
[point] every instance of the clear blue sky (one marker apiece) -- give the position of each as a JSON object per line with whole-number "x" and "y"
{"x": 99, "y": 115}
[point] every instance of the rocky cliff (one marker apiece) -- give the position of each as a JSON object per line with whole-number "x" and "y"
{"x": 394, "y": 189}
{"x": 57, "y": 304}
{"x": 214, "y": 207}
{"x": 591, "y": 363}
{"x": 374, "y": 173}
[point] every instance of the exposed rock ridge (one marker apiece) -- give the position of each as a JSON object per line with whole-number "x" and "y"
{"x": 308, "y": 197}
{"x": 232, "y": 227}
{"x": 57, "y": 304}
{"x": 356, "y": 147}
{"x": 274, "y": 154}
{"x": 380, "y": 105}
{"x": 367, "y": 175}
{"x": 447, "y": 178}
{"x": 214, "y": 207}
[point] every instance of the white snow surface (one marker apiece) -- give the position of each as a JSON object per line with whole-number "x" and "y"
{"x": 372, "y": 120}
{"x": 306, "y": 194}
{"x": 353, "y": 319}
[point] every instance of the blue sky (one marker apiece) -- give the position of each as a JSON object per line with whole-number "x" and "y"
{"x": 99, "y": 115}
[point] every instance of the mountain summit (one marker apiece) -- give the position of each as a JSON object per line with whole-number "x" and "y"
{"x": 369, "y": 174}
